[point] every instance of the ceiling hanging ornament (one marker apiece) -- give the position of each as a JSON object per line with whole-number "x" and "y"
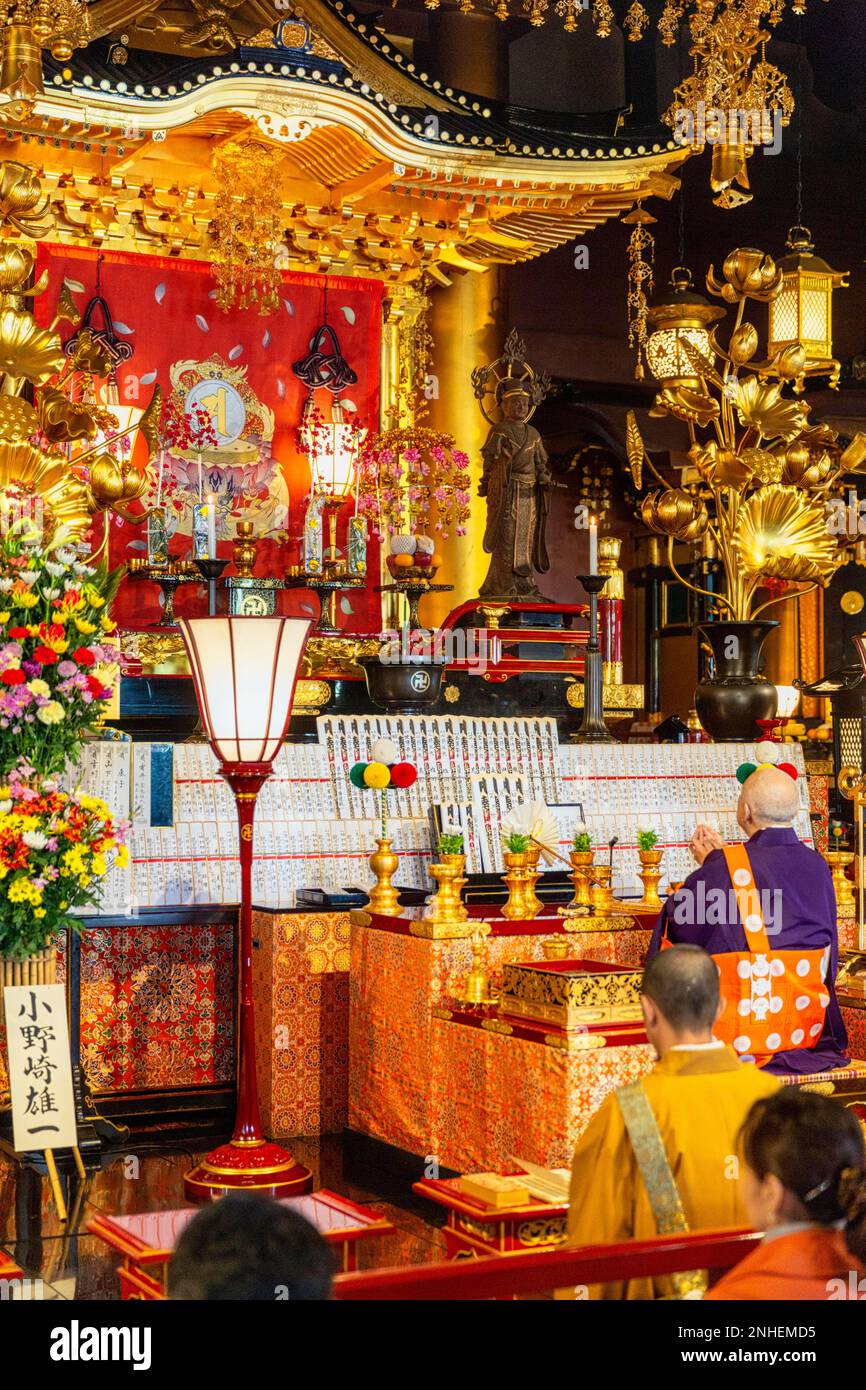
{"x": 247, "y": 226}
{"x": 641, "y": 252}
{"x": 61, "y": 26}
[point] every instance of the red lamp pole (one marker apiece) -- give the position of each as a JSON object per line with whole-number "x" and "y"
{"x": 248, "y": 1161}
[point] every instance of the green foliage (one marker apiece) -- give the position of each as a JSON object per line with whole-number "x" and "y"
{"x": 450, "y": 843}
{"x": 581, "y": 843}
{"x": 647, "y": 839}
{"x": 516, "y": 843}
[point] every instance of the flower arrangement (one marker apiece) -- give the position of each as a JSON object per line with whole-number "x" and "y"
{"x": 53, "y": 625}
{"x": 55, "y": 847}
{"x": 647, "y": 839}
{"x": 414, "y": 480}
{"x": 581, "y": 844}
{"x": 450, "y": 842}
{"x": 515, "y": 842}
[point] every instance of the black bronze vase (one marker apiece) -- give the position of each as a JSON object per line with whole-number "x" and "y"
{"x": 729, "y": 704}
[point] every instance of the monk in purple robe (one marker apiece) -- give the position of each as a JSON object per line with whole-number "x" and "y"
{"x": 797, "y": 898}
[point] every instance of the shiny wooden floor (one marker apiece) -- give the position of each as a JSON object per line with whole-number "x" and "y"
{"x": 74, "y": 1265}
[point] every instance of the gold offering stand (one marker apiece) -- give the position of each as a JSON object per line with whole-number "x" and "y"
{"x": 413, "y": 590}
{"x": 333, "y": 581}
{"x": 169, "y": 577}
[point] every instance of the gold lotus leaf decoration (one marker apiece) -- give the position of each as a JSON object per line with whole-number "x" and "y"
{"x": 18, "y": 419}
{"x": 25, "y": 350}
{"x": 684, "y": 403}
{"x": 62, "y": 420}
{"x": 51, "y": 478}
{"x": 720, "y": 467}
{"x": 782, "y": 533}
{"x": 761, "y": 406}
{"x": 746, "y": 274}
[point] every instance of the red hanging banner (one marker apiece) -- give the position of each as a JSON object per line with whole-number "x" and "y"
{"x": 237, "y": 366}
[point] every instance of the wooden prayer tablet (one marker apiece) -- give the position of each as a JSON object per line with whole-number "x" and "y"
{"x": 570, "y": 993}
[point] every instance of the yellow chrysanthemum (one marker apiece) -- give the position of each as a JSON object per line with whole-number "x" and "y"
{"x": 85, "y": 628}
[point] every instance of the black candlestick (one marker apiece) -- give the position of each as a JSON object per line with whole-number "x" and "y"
{"x": 593, "y": 728}
{"x": 210, "y": 569}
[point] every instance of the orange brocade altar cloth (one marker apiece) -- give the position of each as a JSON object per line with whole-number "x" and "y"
{"x": 465, "y": 1086}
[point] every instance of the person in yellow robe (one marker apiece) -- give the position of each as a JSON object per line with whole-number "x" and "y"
{"x": 699, "y": 1093}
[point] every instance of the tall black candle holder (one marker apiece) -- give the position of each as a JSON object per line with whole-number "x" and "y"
{"x": 593, "y": 728}
{"x": 211, "y": 570}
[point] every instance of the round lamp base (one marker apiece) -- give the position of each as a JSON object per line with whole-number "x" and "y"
{"x": 239, "y": 1167}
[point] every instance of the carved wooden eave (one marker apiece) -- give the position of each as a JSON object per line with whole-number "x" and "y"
{"x": 369, "y": 187}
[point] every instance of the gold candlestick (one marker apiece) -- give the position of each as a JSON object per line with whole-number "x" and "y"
{"x": 601, "y": 892}
{"x": 384, "y": 899}
{"x": 534, "y": 904}
{"x": 839, "y": 860}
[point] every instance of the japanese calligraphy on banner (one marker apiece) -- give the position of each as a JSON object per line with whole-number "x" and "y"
{"x": 238, "y": 368}
{"x": 40, "y": 1073}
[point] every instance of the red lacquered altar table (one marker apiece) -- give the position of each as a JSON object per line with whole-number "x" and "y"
{"x": 146, "y": 1241}
{"x": 473, "y": 1229}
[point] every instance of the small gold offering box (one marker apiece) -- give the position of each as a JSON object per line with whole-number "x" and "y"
{"x": 571, "y": 993}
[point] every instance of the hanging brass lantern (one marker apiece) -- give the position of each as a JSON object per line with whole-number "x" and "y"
{"x": 677, "y": 317}
{"x": 802, "y": 312}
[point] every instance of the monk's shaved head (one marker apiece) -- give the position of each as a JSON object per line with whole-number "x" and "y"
{"x": 769, "y": 797}
{"x": 683, "y": 983}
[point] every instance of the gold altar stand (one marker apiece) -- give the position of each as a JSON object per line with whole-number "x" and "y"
{"x": 459, "y": 1084}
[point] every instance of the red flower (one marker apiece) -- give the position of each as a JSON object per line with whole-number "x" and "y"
{"x": 97, "y": 689}
{"x": 84, "y": 656}
{"x": 45, "y": 656}
{"x": 13, "y": 677}
{"x": 18, "y": 633}
{"x": 52, "y": 632}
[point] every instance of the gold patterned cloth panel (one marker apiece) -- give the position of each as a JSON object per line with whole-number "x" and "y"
{"x": 301, "y": 992}
{"x": 395, "y": 983}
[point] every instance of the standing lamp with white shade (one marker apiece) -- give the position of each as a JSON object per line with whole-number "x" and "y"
{"x": 244, "y": 670}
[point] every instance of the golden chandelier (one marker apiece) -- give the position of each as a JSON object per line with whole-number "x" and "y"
{"x": 247, "y": 228}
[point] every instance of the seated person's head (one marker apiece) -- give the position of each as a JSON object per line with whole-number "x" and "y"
{"x": 680, "y": 997}
{"x": 768, "y": 797}
{"x": 805, "y": 1160}
{"x": 248, "y": 1247}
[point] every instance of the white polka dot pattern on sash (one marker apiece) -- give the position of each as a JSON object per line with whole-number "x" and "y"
{"x": 802, "y": 967}
{"x": 742, "y": 1043}
{"x": 797, "y": 1036}
{"x": 742, "y": 878}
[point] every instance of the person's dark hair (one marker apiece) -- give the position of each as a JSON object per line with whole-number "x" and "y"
{"x": 248, "y": 1247}
{"x": 683, "y": 982}
{"x": 815, "y": 1147}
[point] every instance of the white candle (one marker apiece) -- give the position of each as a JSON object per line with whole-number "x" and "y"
{"x": 593, "y": 545}
{"x": 159, "y": 484}
{"x": 199, "y": 479}
{"x": 211, "y": 528}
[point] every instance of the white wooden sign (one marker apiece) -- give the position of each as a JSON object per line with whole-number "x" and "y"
{"x": 40, "y": 1072}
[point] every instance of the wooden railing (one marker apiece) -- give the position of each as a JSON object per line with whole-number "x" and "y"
{"x": 540, "y": 1272}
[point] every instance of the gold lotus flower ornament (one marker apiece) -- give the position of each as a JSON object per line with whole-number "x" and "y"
{"x": 760, "y": 405}
{"x": 811, "y": 458}
{"x": 764, "y": 466}
{"x": 746, "y": 274}
{"x": 674, "y": 512}
{"x": 743, "y": 344}
{"x": 22, "y": 205}
{"x": 25, "y": 350}
{"x": 782, "y": 533}
{"x": 18, "y": 419}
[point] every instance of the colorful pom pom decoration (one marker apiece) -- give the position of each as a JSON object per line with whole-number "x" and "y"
{"x": 790, "y": 769}
{"x": 377, "y": 775}
{"x": 745, "y": 771}
{"x": 384, "y": 750}
{"x": 403, "y": 775}
{"x": 768, "y": 752}
{"x": 356, "y": 775}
